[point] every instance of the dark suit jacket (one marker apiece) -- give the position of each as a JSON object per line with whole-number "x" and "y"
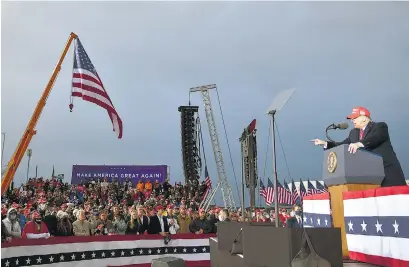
{"x": 154, "y": 227}
{"x": 376, "y": 139}
{"x": 293, "y": 223}
{"x": 140, "y": 226}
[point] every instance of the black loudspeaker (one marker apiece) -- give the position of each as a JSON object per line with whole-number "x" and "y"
{"x": 168, "y": 262}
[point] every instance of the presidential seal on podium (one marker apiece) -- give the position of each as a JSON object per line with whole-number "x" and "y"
{"x": 332, "y": 162}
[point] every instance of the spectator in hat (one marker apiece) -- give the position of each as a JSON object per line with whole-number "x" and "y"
{"x": 371, "y": 136}
{"x": 36, "y": 228}
{"x": 200, "y": 225}
{"x": 12, "y": 225}
{"x": 159, "y": 223}
{"x": 64, "y": 226}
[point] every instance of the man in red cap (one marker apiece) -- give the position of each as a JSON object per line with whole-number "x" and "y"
{"x": 371, "y": 136}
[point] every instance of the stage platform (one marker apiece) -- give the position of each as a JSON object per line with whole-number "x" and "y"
{"x": 358, "y": 264}
{"x": 224, "y": 259}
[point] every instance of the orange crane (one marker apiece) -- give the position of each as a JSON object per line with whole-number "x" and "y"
{"x": 30, "y": 130}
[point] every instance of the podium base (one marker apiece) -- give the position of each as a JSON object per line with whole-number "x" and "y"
{"x": 337, "y": 208}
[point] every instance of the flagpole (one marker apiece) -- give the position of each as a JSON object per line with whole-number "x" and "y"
{"x": 30, "y": 130}
{"x": 243, "y": 216}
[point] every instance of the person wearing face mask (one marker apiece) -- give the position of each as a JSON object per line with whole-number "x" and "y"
{"x": 36, "y": 228}
{"x": 295, "y": 221}
{"x": 12, "y": 225}
{"x": 64, "y": 226}
{"x": 200, "y": 225}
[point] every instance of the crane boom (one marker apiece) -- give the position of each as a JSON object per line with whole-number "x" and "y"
{"x": 223, "y": 182}
{"x": 30, "y": 130}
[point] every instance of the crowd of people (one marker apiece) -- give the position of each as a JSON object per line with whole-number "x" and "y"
{"x": 44, "y": 208}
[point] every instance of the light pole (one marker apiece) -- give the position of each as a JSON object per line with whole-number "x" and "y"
{"x": 29, "y": 154}
{"x": 2, "y": 148}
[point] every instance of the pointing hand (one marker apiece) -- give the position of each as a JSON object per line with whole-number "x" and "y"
{"x": 319, "y": 142}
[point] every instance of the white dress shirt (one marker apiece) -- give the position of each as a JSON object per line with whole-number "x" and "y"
{"x": 162, "y": 225}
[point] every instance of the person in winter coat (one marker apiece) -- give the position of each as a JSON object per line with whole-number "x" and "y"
{"x": 81, "y": 227}
{"x": 12, "y": 224}
{"x": 64, "y": 226}
{"x": 119, "y": 224}
{"x": 200, "y": 225}
{"x": 184, "y": 221}
{"x": 36, "y": 228}
{"x": 104, "y": 226}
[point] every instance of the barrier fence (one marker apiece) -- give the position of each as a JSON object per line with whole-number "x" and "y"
{"x": 376, "y": 221}
{"x": 97, "y": 251}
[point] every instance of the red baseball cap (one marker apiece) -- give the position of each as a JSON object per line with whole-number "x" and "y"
{"x": 359, "y": 111}
{"x": 159, "y": 207}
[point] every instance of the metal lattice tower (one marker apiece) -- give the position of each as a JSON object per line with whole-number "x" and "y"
{"x": 223, "y": 182}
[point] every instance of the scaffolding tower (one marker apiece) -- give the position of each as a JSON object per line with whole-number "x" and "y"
{"x": 223, "y": 182}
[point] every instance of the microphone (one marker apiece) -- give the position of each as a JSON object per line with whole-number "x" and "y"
{"x": 342, "y": 126}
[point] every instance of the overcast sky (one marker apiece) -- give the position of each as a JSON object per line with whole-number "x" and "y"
{"x": 337, "y": 55}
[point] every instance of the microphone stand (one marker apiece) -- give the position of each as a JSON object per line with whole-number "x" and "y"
{"x": 330, "y": 127}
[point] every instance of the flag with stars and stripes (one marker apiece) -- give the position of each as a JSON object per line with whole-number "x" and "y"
{"x": 317, "y": 211}
{"x": 284, "y": 196}
{"x": 262, "y": 191}
{"x": 286, "y": 187}
{"x": 294, "y": 193}
{"x": 208, "y": 183}
{"x": 269, "y": 192}
{"x": 303, "y": 192}
{"x": 377, "y": 225}
{"x": 118, "y": 250}
{"x": 321, "y": 188}
{"x": 311, "y": 189}
{"x": 87, "y": 85}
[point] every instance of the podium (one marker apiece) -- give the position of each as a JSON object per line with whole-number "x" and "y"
{"x": 343, "y": 171}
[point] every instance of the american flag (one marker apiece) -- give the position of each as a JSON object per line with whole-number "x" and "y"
{"x": 270, "y": 192}
{"x": 303, "y": 192}
{"x": 321, "y": 188}
{"x": 284, "y": 194}
{"x": 311, "y": 189}
{"x": 263, "y": 191}
{"x": 294, "y": 192}
{"x": 87, "y": 85}
{"x": 208, "y": 183}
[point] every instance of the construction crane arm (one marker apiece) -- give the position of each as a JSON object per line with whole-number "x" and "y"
{"x": 30, "y": 130}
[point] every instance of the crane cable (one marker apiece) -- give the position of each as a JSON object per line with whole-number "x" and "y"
{"x": 228, "y": 145}
{"x": 265, "y": 159}
{"x": 282, "y": 149}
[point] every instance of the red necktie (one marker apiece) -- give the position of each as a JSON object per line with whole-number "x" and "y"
{"x": 361, "y": 134}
